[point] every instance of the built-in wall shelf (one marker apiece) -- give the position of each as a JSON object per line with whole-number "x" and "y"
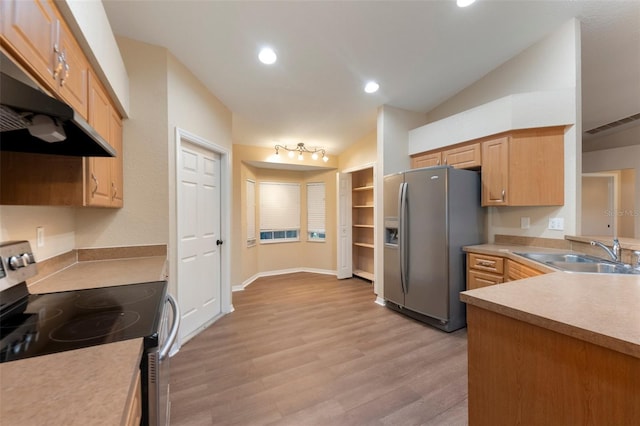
{"x": 363, "y": 274}
{"x": 363, "y": 245}
{"x": 362, "y": 223}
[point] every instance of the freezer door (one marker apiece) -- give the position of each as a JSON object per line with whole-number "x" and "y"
{"x": 428, "y": 279}
{"x": 392, "y": 283}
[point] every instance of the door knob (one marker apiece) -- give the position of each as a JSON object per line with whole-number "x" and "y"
{"x": 219, "y": 242}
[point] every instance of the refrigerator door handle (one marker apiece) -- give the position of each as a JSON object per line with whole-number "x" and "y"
{"x": 402, "y": 212}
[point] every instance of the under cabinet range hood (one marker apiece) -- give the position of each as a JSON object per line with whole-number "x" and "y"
{"x": 32, "y": 121}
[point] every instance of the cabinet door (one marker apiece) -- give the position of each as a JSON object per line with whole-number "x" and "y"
{"x": 476, "y": 279}
{"x": 495, "y": 172}
{"x": 116, "y": 171}
{"x": 98, "y": 179}
{"x": 426, "y": 160}
{"x": 464, "y": 157}
{"x": 518, "y": 271}
{"x": 30, "y": 30}
{"x": 536, "y": 167}
{"x": 73, "y": 81}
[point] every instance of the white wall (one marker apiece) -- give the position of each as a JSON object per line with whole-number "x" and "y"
{"x": 144, "y": 219}
{"x": 549, "y": 65}
{"x": 20, "y": 222}
{"x": 392, "y": 144}
{"x": 393, "y": 137}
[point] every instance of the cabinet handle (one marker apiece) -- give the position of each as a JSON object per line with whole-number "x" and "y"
{"x": 438, "y": 162}
{"x": 66, "y": 73}
{"x": 485, "y": 263}
{"x": 114, "y": 191}
{"x": 95, "y": 180}
{"x": 59, "y": 63}
{"x": 503, "y": 194}
{"x": 445, "y": 161}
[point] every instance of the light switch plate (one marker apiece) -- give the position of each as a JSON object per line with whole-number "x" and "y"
{"x": 40, "y": 236}
{"x": 525, "y": 222}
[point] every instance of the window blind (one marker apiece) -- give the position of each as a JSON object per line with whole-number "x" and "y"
{"x": 251, "y": 212}
{"x": 279, "y": 206}
{"x": 315, "y": 208}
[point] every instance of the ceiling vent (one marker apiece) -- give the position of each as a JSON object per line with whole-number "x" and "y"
{"x": 614, "y": 124}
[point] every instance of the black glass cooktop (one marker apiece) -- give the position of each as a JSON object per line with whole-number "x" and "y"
{"x": 42, "y": 324}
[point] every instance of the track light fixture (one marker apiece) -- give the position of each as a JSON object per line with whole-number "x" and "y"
{"x": 300, "y": 149}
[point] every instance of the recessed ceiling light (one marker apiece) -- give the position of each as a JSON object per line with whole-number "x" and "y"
{"x": 371, "y": 87}
{"x": 267, "y": 56}
{"x": 464, "y": 3}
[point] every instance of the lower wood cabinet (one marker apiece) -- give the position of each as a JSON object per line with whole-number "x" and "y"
{"x": 484, "y": 270}
{"x": 518, "y": 271}
{"x": 134, "y": 409}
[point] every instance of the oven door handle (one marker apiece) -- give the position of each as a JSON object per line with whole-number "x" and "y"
{"x": 164, "y": 350}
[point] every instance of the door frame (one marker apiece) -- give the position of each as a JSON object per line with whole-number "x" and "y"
{"x": 614, "y": 195}
{"x": 181, "y": 136}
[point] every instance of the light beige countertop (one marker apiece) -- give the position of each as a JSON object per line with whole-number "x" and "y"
{"x": 89, "y": 386}
{"x": 603, "y": 309}
{"x": 103, "y": 273}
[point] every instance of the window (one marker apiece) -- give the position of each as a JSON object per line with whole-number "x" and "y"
{"x": 315, "y": 212}
{"x": 279, "y": 212}
{"x": 251, "y": 213}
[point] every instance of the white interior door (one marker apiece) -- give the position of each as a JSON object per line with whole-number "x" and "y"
{"x": 598, "y": 217}
{"x": 345, "y": 262}
{"x": 199, "y": 262}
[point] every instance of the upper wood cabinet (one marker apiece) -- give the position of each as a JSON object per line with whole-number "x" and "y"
{"x": 426, "y": 160}
{"x": 35, "y": 34}
{"x": 103, "y": 175}
{"x": 524, "y": 168}
{"x": 464, "y": 156}
{"x": 30, "y": 32}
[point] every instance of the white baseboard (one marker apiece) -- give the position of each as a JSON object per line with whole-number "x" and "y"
{"x": 380, "y": 301}
{"x": 280, "y": 272}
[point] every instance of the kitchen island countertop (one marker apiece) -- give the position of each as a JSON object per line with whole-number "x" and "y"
{"x": 598, "y": 308}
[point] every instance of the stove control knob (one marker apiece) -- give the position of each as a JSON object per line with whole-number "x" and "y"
{"x": 27, "y": 259}
{"x": 15, "y": 262}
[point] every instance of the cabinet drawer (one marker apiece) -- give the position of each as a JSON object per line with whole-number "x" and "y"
{"x": 476, "y": 279}
{"x": 486, "y": 263}
{"x": 518, "y": 271}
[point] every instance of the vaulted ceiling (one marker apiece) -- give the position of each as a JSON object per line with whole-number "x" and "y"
{"x": 420, "y": 52}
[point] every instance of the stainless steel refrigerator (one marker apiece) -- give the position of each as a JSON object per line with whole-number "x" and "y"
{"x": 429, "y": 215}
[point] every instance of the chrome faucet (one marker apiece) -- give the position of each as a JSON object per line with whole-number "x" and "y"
{"x": 613, "y": 252}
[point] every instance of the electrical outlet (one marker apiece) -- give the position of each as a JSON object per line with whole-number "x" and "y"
{"x": 556, "y": 223}
{"x": 40, "y": 236}
{"x": 525, "y": 222}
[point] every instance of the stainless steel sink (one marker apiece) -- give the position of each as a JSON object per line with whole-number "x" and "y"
{"x": 572, "y": 262}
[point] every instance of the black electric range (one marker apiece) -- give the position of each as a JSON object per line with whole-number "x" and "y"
{"x": 40, "y": 324}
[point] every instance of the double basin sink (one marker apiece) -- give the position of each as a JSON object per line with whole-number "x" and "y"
{"x": 571, "y": 262}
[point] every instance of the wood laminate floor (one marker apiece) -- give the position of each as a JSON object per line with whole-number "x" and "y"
{"x": 308, "y": 349}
